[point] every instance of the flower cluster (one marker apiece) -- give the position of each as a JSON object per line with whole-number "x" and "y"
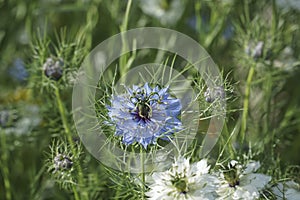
{"x": 183, "y": 181}
{"x": 233, "y": 182}
{"x": 18, "y": 120}
{"x": 144, "y": 114}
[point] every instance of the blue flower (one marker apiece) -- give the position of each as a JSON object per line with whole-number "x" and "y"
{"x": 144, "y": 114}
{"x": 18, "y": 70}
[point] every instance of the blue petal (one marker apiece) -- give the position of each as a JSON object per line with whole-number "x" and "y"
{"x": 145, "y": 141}
{"x": 148, "y": 89}
{"x": 128, "y": 139}
{"x": 163, "y": 91}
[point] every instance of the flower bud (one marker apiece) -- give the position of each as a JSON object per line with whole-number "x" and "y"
{"x": 211, "y": 94}
{"x": 53, "y": 69}
{"x": 258, "y": 50}
{"x": 62, "y": 162}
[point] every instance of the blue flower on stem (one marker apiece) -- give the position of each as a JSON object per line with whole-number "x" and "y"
{"x": 144, "y": 114}
{"x": 18, "y": 70}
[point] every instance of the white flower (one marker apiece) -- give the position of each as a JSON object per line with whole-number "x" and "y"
{"x": 167, "y": 12}
{"x": 285, "y": 60}
{"x": 184, "y": 181}
{"x": 289, "y": 4}
{"x": 20, "y": 121}
{"x": 238, "y": 182}
{"x": 287, "y": 190}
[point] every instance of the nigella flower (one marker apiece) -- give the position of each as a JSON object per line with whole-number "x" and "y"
{"x": 183, "y": 181}
{"x": 238, "y": 182}
{"x": 7, "y": 118}
{"x": 289, "y": 190}
{"x": 228, "y": 31}
{"x": 144, "y": 114}
{"x": 18, "y": 70}
{"x": 61, "y": 163}
{"x": 21, "y": 120}
{"x": 289, "y": 4}
{"x": 286, "y": 60}
{"x": 168, "y": 12}
{"x": 255, "y": 50}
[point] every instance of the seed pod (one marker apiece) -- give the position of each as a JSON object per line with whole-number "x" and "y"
{"x": 53, "y": 69}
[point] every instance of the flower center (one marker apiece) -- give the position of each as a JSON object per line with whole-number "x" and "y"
{"x": 144, "y": 110}
{"x": 142, "y": 101}
{"x": 165, "y": 4}
{"x": 180, "y": 185}
{"x": 233, "y": 183}
{"x": 231, "y": 176}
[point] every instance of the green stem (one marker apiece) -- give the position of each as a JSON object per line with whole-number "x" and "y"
{"x": 92, "y": 18}
{"x": 124, "y": 58}
{"x": 143, "y": 172}
{"x": 4, "y": 167}
{"x": 198, "y": 20}
{"x": 76, "y": 195}
{"x": 228, "y": 142}
{"x": 268, "y": 92}
{"x": 274, "y": 21}
{"x": 230, "y": 136}
{"x": 125, "y": 22}
{"x": 68, "y": 133}
{"x": 246, "y": 103}
{"x": 246, "y": 10}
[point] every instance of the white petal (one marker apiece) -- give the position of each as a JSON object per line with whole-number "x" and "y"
{"x": 246, "y": 193}
{"x": 292, "y": 194}
{"x": 202, "y": 167}
{"x": 289, "y": 190}
{"x": 251, "y": 167}
{"x": 233, "y": 163}
{"x": 257, "y": 180}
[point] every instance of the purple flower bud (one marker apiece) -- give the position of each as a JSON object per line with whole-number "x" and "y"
{"x": 53, "y": 69}
{"x": 258, "y": 50}
{"x": 211, "y": 94}
{"x": 62, "y": 162}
